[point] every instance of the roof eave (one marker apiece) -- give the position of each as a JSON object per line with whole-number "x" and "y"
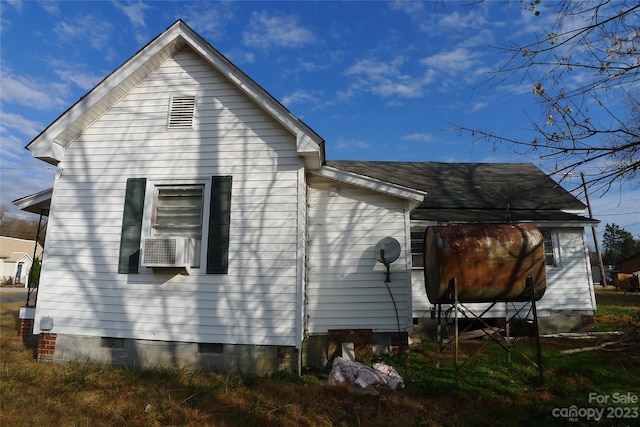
{"x": 414, "y": 197}
{"x": 38, "y": 203}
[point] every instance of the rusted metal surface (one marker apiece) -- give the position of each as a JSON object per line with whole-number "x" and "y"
{"x": 491, "y": 262}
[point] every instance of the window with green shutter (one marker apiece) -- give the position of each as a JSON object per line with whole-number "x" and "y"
{"x": 178, "y": 210}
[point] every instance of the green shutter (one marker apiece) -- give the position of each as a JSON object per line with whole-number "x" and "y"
{"x": 219, "y": 219}
{"x": 132, "y": 225}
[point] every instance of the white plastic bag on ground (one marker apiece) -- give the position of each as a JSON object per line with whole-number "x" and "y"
{"x": 357, "y": 373}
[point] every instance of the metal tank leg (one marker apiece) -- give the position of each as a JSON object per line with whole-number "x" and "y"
{"x": 536, "y": 330}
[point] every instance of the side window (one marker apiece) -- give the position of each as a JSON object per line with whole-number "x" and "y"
{"x": 417, "y": 247}
{"x": 178, "y": 212}
{"x": 178, "y": 209}
{"x": 550, "y": 248}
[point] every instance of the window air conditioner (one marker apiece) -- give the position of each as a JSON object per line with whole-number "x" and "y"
{"x": 167, "y": 251}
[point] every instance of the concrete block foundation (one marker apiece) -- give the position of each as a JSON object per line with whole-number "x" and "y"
{"x": 231, "y": 358}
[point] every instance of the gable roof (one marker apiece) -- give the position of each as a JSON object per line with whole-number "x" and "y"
{"x": 483, "y": 192}
{"x": 50, "y": 144}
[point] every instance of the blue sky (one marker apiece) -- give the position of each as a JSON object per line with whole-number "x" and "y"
{"x": 377, "y": 80}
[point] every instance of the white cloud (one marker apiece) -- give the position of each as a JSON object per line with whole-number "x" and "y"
{"x": 300, "y": 96}
{"x": 420, "y": 137}
{"x": 478, "y": 106}
{"x": 347, "y": 144}
{"x": 135, "y": 12}
{"x": 92, "y": 31}
{"x": 384, "y": 78}
{"x": 310, "y": 66}
{"x": 73, "y": 73}
{"x": 238, "y": 56}
{"x": 453, "y": 61}
{"x": 51, "y": 7}
{"x": 16, "y": 4}
{"x": 208, "y": 18}
{"x": 18, "y": 123}
{"x": 265, "y": 30}
{"x": 31, "y": 93}
{"x": 472, "y": 19}
{"x": 409, "y": 7}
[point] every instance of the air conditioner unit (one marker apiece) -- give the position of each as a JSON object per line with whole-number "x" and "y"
{"x": 168, "y": 251}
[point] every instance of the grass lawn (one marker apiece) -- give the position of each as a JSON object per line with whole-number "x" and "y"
{"x": 489, "y": 392}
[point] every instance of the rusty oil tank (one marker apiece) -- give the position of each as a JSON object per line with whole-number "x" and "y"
{"x": 491, "y": 262}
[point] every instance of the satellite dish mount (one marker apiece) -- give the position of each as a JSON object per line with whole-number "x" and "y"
{"x": 387, "y": 250}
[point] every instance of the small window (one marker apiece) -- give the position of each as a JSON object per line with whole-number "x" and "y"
{"x": 178, "y": 213}
{"x": 182, "y": 112}
{"x": 417, "y": 248}
{"x": 550, "y": 258}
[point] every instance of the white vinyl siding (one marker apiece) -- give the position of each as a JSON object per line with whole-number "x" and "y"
{"x": 346, "y": 284}
{"x": 257, "y": 301}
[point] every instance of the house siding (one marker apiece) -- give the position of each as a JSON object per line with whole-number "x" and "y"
{"x": 257, "y": 302}
{"x": 569, "y": 285}
{"x": 346, "y": 284}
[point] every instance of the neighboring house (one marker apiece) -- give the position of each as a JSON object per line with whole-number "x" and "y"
{"x": 630, "y": 264}
{"x": 16, "y": 259}
{"x": 275, "y": 246}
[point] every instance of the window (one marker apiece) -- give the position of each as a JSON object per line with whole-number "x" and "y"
{"x": 550, "y": 256}
{"x": 417, "y": 248}
{"x": 178, "y": 210}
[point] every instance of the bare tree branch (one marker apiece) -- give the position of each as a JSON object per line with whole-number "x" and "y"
{"x": 579, "y": 71}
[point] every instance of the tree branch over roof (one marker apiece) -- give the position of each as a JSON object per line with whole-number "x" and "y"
{"x": 585, "y": 74}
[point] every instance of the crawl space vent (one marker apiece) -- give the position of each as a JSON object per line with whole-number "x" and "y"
{"x": 182, "y": 112}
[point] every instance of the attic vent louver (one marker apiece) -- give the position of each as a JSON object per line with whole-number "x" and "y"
{"x": 182, "y": 112}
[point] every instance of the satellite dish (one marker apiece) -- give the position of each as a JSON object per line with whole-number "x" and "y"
{"x": 387, "y": 250}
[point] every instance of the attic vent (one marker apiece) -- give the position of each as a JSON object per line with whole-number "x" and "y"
{"x": 182, "y": 112}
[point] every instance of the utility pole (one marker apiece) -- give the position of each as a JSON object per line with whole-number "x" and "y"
{"x": 593, "y": 230}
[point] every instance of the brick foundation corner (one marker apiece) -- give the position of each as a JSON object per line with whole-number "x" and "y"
{"x": 26, "y": 327}
{"x": 46, "y": 346}
{"x": 588, "y": 323}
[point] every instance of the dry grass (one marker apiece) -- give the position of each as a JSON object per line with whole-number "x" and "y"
{"x": 490, "y": 392}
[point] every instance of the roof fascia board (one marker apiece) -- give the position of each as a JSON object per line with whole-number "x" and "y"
{"x": 578, "y": 223}
{"x": 27, "y": 202}
{"x": 415, "y": 197}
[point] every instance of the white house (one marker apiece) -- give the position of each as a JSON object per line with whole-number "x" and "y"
{"x": 274, "y": 257}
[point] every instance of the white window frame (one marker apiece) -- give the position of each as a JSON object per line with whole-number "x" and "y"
{"x": 555, "y": 243}
{"x": 150, "y": 205}
{"x": 416, "y": 229}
